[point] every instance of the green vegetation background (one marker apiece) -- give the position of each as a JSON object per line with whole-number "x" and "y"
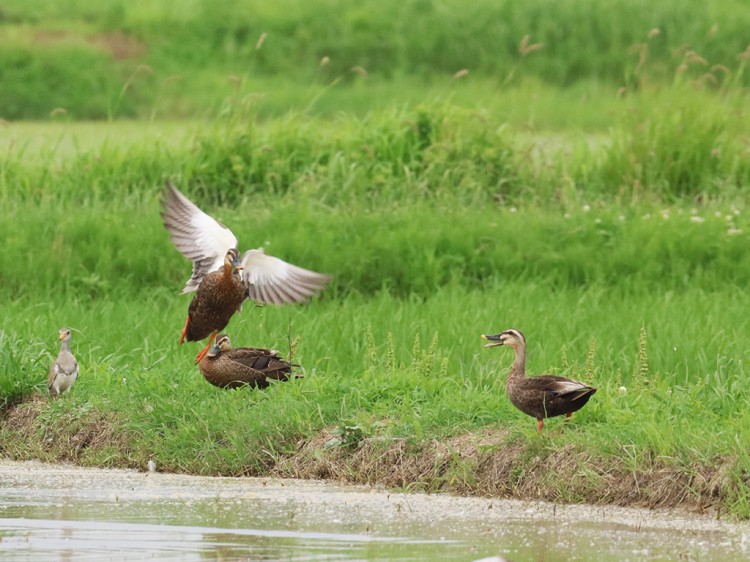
{"x": 577, "y": 171}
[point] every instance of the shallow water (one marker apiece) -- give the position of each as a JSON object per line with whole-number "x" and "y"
{"x": 52, "y": 512}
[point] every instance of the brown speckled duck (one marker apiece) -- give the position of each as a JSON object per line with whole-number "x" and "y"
{"x": 228, "y": 367}
{"x": 221, "y": 277}
{"x": 63, "y": 372}
{"x": 543, "y": 396}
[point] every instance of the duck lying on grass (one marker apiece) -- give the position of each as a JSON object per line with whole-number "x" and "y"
{"x": 543, "y": 396}
{"x": 64, "y": 370}
{"x": 228, "y": 367}
{"x": 221, "y": 278}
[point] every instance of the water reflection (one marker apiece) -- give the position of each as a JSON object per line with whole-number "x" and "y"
{"x": 65, "y": 513}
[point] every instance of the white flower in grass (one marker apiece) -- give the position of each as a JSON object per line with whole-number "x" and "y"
{"x": 512, "y": 209}
{"x": 566, "y": 216}
{"x": 665, "y": 214}
{"x": 586, "y": 208}
{"x": 729, "y": 218}
{"x": 697, "y": 219}
{"x": 734, "y": 231}
{"x": 598, "y": 221}
{"x": 124, "y": 380}
{"x": 622, "y": 390}
{"x": 717, "y": 214}
{"x": 621, "y": 218}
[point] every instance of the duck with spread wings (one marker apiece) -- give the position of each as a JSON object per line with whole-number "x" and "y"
{"x": 222, "y": 278}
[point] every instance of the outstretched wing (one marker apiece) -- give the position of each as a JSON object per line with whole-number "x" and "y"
{"x": 196, "y": 235}
{"x": 270, "y": 280}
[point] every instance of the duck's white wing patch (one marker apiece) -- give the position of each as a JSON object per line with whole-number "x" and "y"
{"x": 197, "y": 236}
{"x": 568, "y": 386}
{"x": 270, "y": 280}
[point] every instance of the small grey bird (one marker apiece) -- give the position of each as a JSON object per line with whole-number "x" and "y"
{"x": 64, "y": 371}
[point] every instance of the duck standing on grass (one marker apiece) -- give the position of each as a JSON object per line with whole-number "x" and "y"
{"x": 221, "y": 278}
{"x": 543, "y": 396}
{"x": 228, "y": 367}
{"x": 64, "y": 371}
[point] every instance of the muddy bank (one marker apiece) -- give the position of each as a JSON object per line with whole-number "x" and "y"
{"x": 487, "y": 464}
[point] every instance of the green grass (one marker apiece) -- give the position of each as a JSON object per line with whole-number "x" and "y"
{"x": 179, "y": 59}
{"x": 407, "y": 368}
{"x": 622, "y": 259}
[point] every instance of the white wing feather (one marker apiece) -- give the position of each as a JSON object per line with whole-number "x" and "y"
{"x": 569, "y": 386}
{"x": 197, "y": 236}
{"x": 270, "y": 280}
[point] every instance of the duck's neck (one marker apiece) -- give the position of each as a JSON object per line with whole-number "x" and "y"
{"x": 518, "y": 371}
{"x": 231, "y": 275}
{"x": 65, "y": 345}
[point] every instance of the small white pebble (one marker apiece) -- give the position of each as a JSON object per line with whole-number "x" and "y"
{"x": 151, "y": 465}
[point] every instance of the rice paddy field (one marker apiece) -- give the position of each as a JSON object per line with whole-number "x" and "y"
{"x": 580, "y": 174}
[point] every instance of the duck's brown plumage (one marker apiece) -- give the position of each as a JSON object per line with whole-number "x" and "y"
{"x": 543, "y": 396}
{"x": 228, "y": 367}
{"x": 219, "y": 295}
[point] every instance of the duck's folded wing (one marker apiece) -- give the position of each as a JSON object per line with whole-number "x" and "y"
{"x": 199, "y": 237}
{"x": 53, "y": 370}
{"x": 265, "y": 362}
{"x": 270, "y": 280}
{"x": 251, "y": 357}
{"x": 561, "y": 386}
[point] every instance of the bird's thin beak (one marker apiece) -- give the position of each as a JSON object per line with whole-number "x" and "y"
{"x": 493, "y": 339}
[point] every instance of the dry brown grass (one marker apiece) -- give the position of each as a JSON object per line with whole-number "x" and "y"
{"x": 72, "y": 438}
{"x": 485, "y": 464}
{"x": 489, "y": 463}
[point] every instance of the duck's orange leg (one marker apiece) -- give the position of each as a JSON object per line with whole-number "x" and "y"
{"x": 539, "y": 426}
{"x": 185, "y": 329}
{"x": 203, "y": 351}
